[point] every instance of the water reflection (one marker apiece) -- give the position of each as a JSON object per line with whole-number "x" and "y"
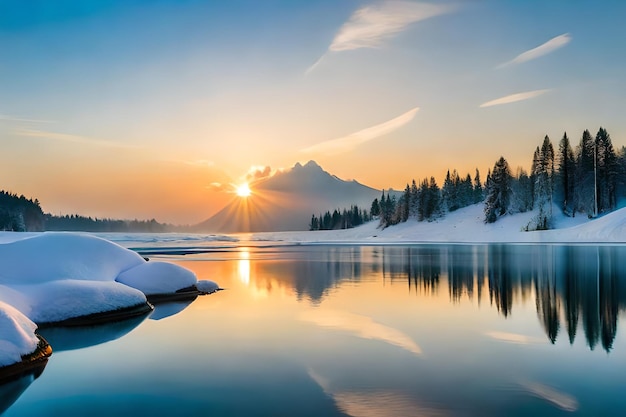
{"x": 12, "y": 390}
{"x": 360, "y": 326}
{"x": 243, "y": 265}
{"x": 573, "y": 286}
{"x": 72, "y": 338}
{"x": 559, "y": 399}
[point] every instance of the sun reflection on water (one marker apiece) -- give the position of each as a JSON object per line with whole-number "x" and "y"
{"x": 243, "y": 266}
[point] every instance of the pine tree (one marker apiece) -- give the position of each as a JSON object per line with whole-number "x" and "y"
{"x": 406, "y": 203}
{"x": 607, "y": 171}
{"x": 585, "y": 173}
{"x": 543, "y": 162}
{"x": 498, "y": 191}
{"x": 478, "y": 188}
{"x": 375, "y": 209}
{"x": 521, "y": 192}
{"x": 414, "y": 201}
{"x": 434, "y": 199}
{"x": 566, "y": 175}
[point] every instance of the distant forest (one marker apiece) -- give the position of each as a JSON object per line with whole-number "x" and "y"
{"x": 340, "y": 219}
{"x": 586, "y": 180}
{"x": 20, "y": 214}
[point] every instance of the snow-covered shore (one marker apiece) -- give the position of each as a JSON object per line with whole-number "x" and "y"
{"x": 467, "y": 225}
{"x": 59, "y": 277}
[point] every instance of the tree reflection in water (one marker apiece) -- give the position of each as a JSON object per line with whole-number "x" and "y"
{"x": 573, "y": 287}
{"x": 570, "y": 283}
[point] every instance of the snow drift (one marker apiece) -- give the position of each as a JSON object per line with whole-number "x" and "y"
{"x": 56, "y": 277}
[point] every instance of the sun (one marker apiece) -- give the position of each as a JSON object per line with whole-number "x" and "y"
{"x": 243, "y": 190}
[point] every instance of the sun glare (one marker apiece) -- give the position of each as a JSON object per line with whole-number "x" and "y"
{"x": 243, "y": 190}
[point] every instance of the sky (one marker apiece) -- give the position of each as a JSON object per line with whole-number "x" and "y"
{"x": 158, "y": 109}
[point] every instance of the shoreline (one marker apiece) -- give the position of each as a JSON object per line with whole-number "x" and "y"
{"x": 33, "y": 363}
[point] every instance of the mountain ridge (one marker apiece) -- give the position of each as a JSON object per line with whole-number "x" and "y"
{"x": 286, "y": 201}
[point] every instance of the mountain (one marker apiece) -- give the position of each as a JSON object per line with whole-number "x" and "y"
{"x": 286, "y": 201}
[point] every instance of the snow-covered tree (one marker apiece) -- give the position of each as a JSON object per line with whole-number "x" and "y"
{"x": 521, "y": 192}
{"x": 498, "y": 191}
{"x": 543, "y": 176}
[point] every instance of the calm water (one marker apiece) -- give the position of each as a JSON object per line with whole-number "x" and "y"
{"x": 433, "y": 330}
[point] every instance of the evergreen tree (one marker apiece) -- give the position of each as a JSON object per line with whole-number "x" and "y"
{"x": 406, "y": 204}
{"x": 424, "y": 201}
{"x": 566, "y": 175}
{"x": 414, "y": 200}
{"x": 375, "y": 209}
{"x": 521, "y": 192}
{"x": 498, "y": 191}
{"x": 478, "y": 188}
{"x": 465, "y": 191}
{"x": 315, "y": 224}
{"x": 606, "y": 172}
{"x": 543, "y": 176}
{"x": 434, "y": 200}
{"x": 585, "y": 175}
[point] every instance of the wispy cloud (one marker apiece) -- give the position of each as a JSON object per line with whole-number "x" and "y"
{"x": 348, "y": 143}
{"x": 543, "y": 49}
{"x": 370, "y": 26}
{"x": 8, "y": 118}
{"x": 64, "y": 137}
{"x": 512, "y": 98}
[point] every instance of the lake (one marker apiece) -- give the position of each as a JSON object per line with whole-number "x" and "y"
{"x": 426, "y": 330}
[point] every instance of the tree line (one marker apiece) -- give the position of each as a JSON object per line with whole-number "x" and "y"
{"x": 587, "y": 179}
{"x": 340, "y": 219}
{"x": 75, "y": 223}
{"x": 21, "y": 214}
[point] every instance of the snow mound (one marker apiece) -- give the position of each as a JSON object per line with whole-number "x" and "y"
{"x": 608, "y": 228}
{"x": 57, "y": 301}
{"x": 17, "y": 335}
{"x": 58, "y": 256}
{"x": 56, "y": 277}
{"x": 157, "y": 278}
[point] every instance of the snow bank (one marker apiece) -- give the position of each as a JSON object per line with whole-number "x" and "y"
{"x": 55, "y": 277}
{"x": 17, "y": 335}
{"x": 157, "y": 278}
{"x": 58, "y": 256}
{"x": 57, "y": 301}
{"x": 467, "y": 225}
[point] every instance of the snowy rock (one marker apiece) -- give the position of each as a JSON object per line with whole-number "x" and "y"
{"x": 57, "y": 301}
{"x": 56, "y": 277}
{"x": 74, "y": 278}
{"x": 157, "y": 278}
{"x": 17, "y": 335}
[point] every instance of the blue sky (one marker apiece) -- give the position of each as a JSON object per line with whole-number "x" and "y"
{"x": 107, "y": 106}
